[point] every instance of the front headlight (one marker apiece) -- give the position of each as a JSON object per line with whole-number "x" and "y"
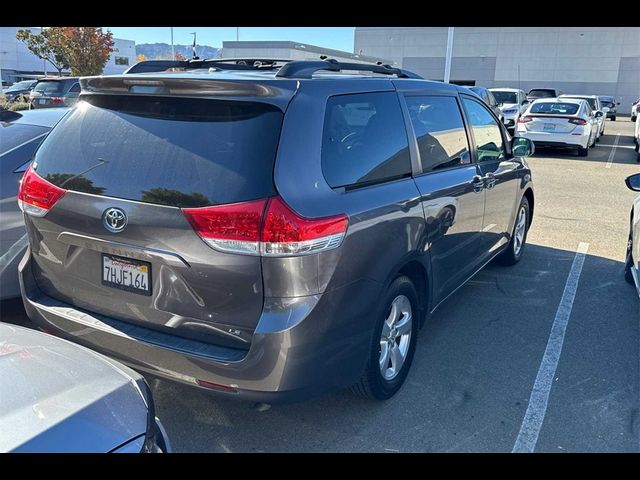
{"x": 510, "y": 110}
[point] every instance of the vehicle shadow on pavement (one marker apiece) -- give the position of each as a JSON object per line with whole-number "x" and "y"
{"x": 625, "y": 151}
{"x": 475, "y": 364}
{"x": 468, "y": 389}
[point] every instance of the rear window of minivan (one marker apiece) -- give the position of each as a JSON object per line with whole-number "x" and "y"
{"x": 49, "y": 86}
{"x": 181, "y": 152}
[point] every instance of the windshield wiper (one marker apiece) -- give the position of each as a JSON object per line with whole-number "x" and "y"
{"x": 101, "y": 161}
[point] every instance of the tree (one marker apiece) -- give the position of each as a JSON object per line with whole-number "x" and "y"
{"x": 45, "y": 45}
{"x": 87, "y": 49}
{"x": 141, "y": 57}
{"x": 84, "y": 50}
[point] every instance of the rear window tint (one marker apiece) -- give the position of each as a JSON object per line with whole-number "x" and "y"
{"x": 364, "y": 140}
{"x": 555, "y": 108}
{"x": 49, "y": 87}
{"x": 14, "y": 134}
{"x": 168, "y": 151}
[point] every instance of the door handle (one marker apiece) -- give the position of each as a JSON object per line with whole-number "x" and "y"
{"x": 478, "y": 183}
{"x": 490, "y": 180}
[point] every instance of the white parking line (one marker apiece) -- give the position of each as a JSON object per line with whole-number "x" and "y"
{"x": 613, "y": 151}
{"x": 537, "y": 408}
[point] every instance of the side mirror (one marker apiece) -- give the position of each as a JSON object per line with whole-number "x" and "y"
{"x": 633, "y": 182}
{"x": 523, "y": 147}
{"x": 524, "y": 102}
{"x": 599, "y": 114}
{"x": 617, "y": 103}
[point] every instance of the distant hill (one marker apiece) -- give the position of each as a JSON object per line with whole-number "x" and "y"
{"x": 163, "y": 50}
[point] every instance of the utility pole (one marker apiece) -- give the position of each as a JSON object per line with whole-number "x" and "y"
{"x": 173, "y": 50}
{"x": 447, "y": 62}
{"x": 237, "y": 34}
{"x": 519, "y": 88}
{"x": 193, "y": 48}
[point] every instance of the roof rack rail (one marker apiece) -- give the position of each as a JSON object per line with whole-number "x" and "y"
{"x": 306, "y": 68}
{"x": 147, "y": 66}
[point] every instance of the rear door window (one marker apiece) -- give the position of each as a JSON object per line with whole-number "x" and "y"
{"x": 364, "y": 140}
{"x": 168, "y": 151}
{"x": 439, "y": 128}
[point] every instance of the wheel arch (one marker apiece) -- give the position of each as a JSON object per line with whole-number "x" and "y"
{"x": 419, "y": 276}
{"x": 528, "y": 193}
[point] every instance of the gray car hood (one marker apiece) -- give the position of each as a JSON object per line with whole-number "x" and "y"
{"x": 56, "y": 396}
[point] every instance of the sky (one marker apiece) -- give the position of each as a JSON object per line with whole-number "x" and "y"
{"x": 339, "y": 38}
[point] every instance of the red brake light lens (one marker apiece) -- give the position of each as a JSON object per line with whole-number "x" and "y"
{"x": 525, "y": 119}
{"x": 37, "y": 196}
{"x": 234, "y": 227}
{"x": 265, "y": 227}
{"x": 57, "y": 100}
{"x": 578, "y": 121}
{"x": 286, "y": 233}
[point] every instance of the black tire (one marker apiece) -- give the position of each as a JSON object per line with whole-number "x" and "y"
{"x": 372, "y": 385}
{"x": 583, "y": 152}
{"x": 633, "y": 119}
{"x": 598, "y": 138}
{"x": 510, "y": 256}
{"x": 613, "y": 119}
{"x": 638, "y": 157}
{"x": 628, "y": 276}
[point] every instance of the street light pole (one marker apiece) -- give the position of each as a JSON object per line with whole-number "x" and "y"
{"x": 237, "y": 34}
{"x": 447, "y": 62}
{"x": 173, "y": 51}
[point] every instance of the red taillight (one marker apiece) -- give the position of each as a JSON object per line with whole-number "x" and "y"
{"x": 57, "y": 100}
{"x": 525, "y": 119}
{"x": 265, "y": 227}
{"x": 234, "y": 227}
{"x": 286, "y": 233}
{"x": 578, "y": 121}
{"x": 36, "y": 196}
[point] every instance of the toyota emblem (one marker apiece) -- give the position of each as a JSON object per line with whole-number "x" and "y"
{"x": 114, "y": 219}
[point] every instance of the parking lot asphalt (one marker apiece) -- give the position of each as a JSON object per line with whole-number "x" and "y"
{"x": 481, "y": 353}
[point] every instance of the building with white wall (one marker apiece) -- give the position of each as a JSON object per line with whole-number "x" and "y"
{"x": 587, "y": 60}
{"x": 17, "y": 62}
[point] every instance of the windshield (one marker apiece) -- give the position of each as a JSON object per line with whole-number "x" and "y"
{"x": 505, "y": 97}
{"x": 555, "y": 108}
{"x": 49, "y": 86}
{"x": 168, "y": 151}
{"x": 543, "y": 93}
{"x": 20, "y": 86}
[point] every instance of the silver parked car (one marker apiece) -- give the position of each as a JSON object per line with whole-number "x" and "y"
{"x": 56, "y": 396}
{"x": 20, "y": 135}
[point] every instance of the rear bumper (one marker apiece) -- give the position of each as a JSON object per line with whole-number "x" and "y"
{"x": 556, "y": 140}
{"x": 301, "y": 346}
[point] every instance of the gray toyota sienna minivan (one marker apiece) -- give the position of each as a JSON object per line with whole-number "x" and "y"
{"x": 267, "y": 229}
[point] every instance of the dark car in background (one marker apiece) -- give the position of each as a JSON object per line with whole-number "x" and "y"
{"x": 20, "y": 135}
{"x": 19, "y": 91}
{"x": 264, "y": 231}
{"x": 608, "y": 102}
{"x": 488, "y": 97}
{"x": 55, "y": 92}
{"x": 536, "y": 93}
{"x": 59, "y": 397}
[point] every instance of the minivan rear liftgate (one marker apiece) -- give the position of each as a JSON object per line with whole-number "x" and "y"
{"x": 148, "y": 210}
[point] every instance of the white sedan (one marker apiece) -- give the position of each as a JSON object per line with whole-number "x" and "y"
{"x": 559, "y": 123}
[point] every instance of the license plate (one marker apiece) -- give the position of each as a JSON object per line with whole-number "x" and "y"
{"x": 126, "y": 274}
{"x": 42, "y": 101}
{"x": 549, "y": 127}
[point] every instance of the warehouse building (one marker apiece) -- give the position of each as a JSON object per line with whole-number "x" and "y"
{"x": 587, "y": 60}
{"x": 289, "y": 51}
{"x": 18, "y": 63}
